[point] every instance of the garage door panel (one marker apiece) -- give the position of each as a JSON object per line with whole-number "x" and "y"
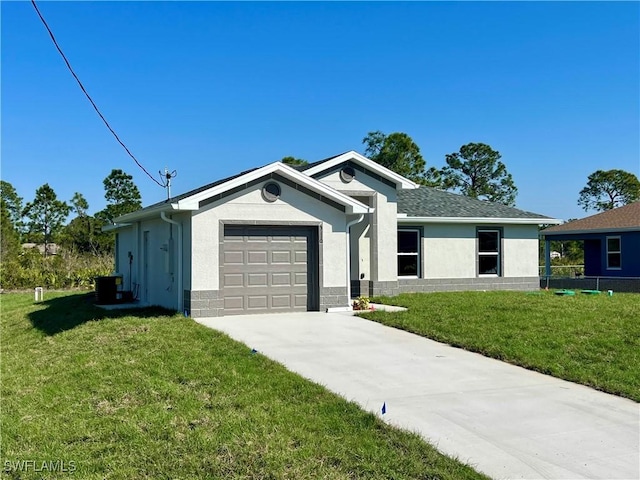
{"x": 300, "y": 279}
{"x": 232, "y": 303}
{"x": 300, "y": 301}
{"x": 257, "y": 302}
{"x": 282, "y": 301}
{"x": 256, "y": 280}
{"x": 281, "y": 279}
{"x": 265, "y": 269}
{"x": 234, "y": 257}
{"x": 257, "y": 257}
{"x": 280, "y": 256}
{"x": 234, "y": 279}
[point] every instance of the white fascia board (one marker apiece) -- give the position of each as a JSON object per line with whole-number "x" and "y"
{"x": 146, "y": 213}
{"x": 115, "y": 226}
{"x": 401, "y": 182}
{"x": 351, "y": 205}
{"x": 480, "y": 220}
{"x": 595, "y": 230}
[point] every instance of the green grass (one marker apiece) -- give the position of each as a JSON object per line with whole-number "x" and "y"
{"x": 588, "y": 339}
{"x": 150, "y": 394}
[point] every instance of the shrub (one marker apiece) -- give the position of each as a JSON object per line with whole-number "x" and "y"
{"x": 67, "y": 270}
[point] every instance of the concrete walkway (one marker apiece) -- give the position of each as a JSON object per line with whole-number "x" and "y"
{"x": 506, "y": 421}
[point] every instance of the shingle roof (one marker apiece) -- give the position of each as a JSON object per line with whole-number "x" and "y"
{"x": 197, "y": 190}
{"x": 626, "y": 217}
{"x": 431, "y": 202}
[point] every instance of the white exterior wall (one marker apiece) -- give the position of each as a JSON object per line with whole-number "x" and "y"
{"x": 449, "y": 250}
{"x": 293, "y": 206}
{"x": 158, "y": 282}
{"x": 521, "y": 251}
{"x": 377, "y": 246}
{"x": 124, "y": 244}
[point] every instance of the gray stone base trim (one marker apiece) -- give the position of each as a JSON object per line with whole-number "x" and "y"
{"x": 360, "y": 288}
{"x": 333, "y": 297}
{"x": 617, "y": 284}
{"x": 203, "y": 303}
{"x": 416, "y": 285}
{"x": 370, "y": 288}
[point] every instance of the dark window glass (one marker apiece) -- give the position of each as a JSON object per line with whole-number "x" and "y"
{"x": 407, "y": 265}
{"x": 407, "y": 242}
{"x": 613, "y": 244}
{"x": 488, "y": 241}
{"x": 613, "y": 260}
{"x": 271, "y": 192}
{"x": 488, "y": 264}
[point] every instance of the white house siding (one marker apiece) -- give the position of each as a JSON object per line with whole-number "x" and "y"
{"x": 124, "y": 245}
{"x": 378, "y": 240}
{"x": 249, "y": 206}
{"x": 158, "y": 284}
{"x": 521, "y": 251}
{"x": 449, "y": 251}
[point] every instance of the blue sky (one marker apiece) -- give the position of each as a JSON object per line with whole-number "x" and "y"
{"x": 212, "y": 88}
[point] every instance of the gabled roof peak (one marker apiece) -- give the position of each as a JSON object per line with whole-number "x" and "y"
{"x": 398, "y": 180}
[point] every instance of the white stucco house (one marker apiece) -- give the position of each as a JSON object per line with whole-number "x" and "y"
{"x": 278, "y": 238}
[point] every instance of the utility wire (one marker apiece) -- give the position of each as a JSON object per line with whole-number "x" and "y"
{"x": 44, "y": 22}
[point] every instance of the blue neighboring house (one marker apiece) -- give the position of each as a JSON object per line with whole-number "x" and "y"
{"x": 611, "y": 241}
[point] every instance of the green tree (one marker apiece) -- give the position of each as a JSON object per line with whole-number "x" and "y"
{"x": 83, "y": 234}
{"x": 398, "y": 152}
{"x": 9, "y": 237}
{"x": 608, "y": 189}
{"x": 11, "y": 204}
{"x": 45, "y": 215}
{"x": 10, "y": 221}
{"x": 294, "y": 162}
{"x": 476, "y": 171}
{"x": 121, "y": 194}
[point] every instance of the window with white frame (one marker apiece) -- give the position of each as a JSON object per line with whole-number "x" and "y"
{"x": 614, "y": 253}
{"x": 489, "y": 252}
{"x": 408, "y": 253}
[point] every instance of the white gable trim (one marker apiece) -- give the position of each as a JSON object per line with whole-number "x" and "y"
{"x": 401, "y": 182}
{"x": 403, "y": 219}
{"x": 352, "y": 206}
{"x": 192, "y": 202}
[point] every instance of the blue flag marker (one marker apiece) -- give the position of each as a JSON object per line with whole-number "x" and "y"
{"x": 384, "y": 408}
{"x": 253, "y": 350}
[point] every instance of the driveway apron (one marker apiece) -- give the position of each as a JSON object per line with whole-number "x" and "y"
{"x": 506, "y": 421}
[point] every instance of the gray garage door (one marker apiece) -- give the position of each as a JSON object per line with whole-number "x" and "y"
{"x": 267, "y": 269}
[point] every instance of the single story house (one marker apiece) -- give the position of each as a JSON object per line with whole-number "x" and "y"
{"x": 280, "y": 239}
{"x": 611, "y": 241}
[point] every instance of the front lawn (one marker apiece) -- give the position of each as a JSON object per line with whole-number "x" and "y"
{"x": 588, "y": 339}
{"x": 149, "y": 394}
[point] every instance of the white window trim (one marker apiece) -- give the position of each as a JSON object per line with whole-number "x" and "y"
{"x": 619, "y": 251}
{"x": 411, "y": 254}
{"x": 490, "y": 254}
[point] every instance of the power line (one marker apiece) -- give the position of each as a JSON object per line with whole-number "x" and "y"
{"x": 95, "y": 107}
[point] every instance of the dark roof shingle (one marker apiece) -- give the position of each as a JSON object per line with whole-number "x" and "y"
{"x": 431, "y": 202}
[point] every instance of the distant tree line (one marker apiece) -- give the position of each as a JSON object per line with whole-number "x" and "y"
{"x": 476, "y": 170}
{"x": 87, "y": 250}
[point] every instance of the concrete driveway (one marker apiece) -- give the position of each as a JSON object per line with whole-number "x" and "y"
{"x": 506, "y": 421}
